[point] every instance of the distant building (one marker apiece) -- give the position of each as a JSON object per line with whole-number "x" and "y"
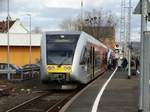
{"x": 19, "y": 42}
{"x": 15, "y": 26}
{"x": 106, "y": 34}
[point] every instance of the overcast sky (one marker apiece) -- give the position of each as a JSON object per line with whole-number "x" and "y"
{"x": 48, "y": 14}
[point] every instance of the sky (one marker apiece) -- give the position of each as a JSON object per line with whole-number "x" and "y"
{"x": 48, "y": 14}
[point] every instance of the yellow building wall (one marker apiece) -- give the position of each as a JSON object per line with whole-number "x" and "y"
{"x": 19, "y": 55}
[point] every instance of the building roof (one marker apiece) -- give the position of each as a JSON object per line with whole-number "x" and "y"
{"x": 4, "y": 25}
{"x": 20, "y": 39}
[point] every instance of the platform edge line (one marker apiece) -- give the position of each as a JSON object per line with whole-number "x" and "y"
{"x": 97, "y": 100}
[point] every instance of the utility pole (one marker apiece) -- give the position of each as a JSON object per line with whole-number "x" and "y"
{"x": 30, "y": 41}
{"x": 146, "y": 70}
{"x": 145, "y": 54}
{"x": 8, "y": 47}
{"x": 143, "y": 28}
{"x": 143, "y": 9}
{"x": 129, "y": 40}
{"x": 30, "y": 51}
{"x": 82, "y": 15}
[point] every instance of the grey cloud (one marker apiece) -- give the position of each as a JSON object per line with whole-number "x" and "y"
{"x": 44, "y": 23}
{"x": 59, "y": 12}
{"x": 51, "y": 17}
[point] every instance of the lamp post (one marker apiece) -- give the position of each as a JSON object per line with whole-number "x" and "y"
{"x": 143, "y": 98}
{"x": 8, "y": 47}
{"x": 143, "y": 9}
{"x": 81, "y": 15}
{"x": 30, "y": 51}
{"x": 129, "y": 40}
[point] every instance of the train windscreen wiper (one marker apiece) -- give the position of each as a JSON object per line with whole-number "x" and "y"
{"x": 59, "y": 65}
{"x": 51, "y": 61}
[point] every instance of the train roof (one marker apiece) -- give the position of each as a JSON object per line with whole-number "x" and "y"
{"x": 91, "y": 39}
{"x": 87, "y": 37}
{"x": 63, "y": 32}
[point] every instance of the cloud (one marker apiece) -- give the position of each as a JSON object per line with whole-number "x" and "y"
{"x": 22, "y": 1}
{"x": 48, "y": 14}
{"x": 62, "y": 3}
{"x": 77, "y": 3}
{"x": 60, "y": 13}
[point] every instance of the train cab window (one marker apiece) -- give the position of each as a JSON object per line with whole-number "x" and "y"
{"x": 84, "y": 57}
{"x": 61, "y": 48}
{"x": 83, "y": 61}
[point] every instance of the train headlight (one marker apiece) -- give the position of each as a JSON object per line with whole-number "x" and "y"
{"x": 67, "y": 68}
{"x": 50, "y": 67}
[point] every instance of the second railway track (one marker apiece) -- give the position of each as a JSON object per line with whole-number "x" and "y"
{"x": 49, "y": 102}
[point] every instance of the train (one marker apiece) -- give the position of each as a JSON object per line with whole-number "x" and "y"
{"x": 72, "y": 57}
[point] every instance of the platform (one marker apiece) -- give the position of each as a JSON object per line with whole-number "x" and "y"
{"x": 121, "y": 95}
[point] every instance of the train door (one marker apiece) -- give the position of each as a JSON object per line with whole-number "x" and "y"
{"x": 91, "y": 63}
{"x": 104, "y": 61}
{"x": 84, "y": 61}
{"x": 88, "y": 62}
{"x": 97, "y": 61}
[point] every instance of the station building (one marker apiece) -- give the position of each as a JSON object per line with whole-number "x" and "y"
{"x": 19, "y": 43}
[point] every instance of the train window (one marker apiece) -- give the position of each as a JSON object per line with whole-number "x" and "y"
{"x": 60, "y": 57}
{"x": 97, "y": 59}
{"x": 60, "y": 48}
{"x": 62, "y": 38}
{"x": 84, "y": 57}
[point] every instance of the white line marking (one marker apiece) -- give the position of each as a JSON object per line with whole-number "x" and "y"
{"x": 97, "y": 100}
{"x": 66, "y": 106}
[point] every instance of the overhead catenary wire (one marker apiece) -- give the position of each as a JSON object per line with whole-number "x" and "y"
{"x": 123, "y": 24}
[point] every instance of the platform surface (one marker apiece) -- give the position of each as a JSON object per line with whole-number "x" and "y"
{"x": 121, "y": 95}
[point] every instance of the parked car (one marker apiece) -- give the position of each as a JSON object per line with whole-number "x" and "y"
{"x": 13, "y": 68}
{"x": 30, "y": 67}
{"x": 31, "y": 71}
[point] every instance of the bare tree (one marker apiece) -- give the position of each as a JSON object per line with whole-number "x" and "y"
{"x": 71, "y": 24}
{"x": 98, "y": 23}
{"x": 111, "y": 20}
{"x": 92, "y": 19}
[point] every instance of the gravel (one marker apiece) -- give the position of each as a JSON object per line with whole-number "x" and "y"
{"x": 20, "y": 92}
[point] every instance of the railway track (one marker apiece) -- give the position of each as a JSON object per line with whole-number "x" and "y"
{"x": 48, "y": 102}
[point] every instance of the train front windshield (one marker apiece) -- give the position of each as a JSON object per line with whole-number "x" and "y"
{"x": 60, "y": 49}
